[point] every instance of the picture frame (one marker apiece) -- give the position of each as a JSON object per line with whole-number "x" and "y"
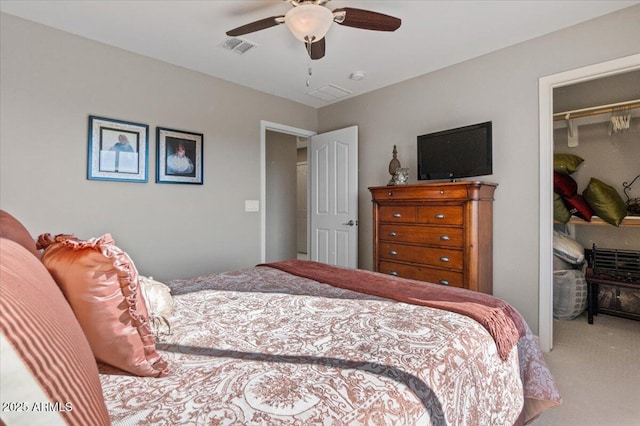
{"x": 118, "y": 150}
{"x": 179, "y": 156}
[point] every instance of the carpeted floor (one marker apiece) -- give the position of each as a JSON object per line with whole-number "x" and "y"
{"x": 597, "y": 368}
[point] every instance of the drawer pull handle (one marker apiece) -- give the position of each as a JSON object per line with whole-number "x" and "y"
{"x": 444, "y": 282}
{"x": 442, "y": 191}
{"x": 393, "y": 252}
{"x": 393, "y": 234}
{"x": 397, "y": 215}
{"x": 394, "y": 273}
{"x": 444, "y": 258}
{"x": 390, "y": 194}
{"x": 439, "y": 216}
{"x": 444, "y": 237}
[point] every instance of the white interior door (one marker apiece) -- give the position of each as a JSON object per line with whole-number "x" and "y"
{"x": 334, "y": 197}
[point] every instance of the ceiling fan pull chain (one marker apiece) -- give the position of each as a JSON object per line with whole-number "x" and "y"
{"x": 309, "y": 71}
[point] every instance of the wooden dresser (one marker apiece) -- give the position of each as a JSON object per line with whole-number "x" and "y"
{"x": 436, "y": 232}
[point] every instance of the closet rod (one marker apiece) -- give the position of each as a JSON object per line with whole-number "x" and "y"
{"x": 602, "y": 109}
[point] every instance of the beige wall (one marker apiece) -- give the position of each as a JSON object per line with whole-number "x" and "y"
{"x": 281, "y": 183}
{"x": 52, "y": 81}
{"x": 501, "y": 87}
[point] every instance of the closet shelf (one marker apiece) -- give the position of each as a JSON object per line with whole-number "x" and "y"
{"x": 596, "y": 221}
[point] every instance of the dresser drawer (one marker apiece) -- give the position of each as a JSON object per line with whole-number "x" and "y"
{"x": 445, "y": 258}
{"x": 432, "y": 235}
{"x": 422, "y": 273}
{"x": 418, "y": 192}
{"x": 398, "y": 214}
{"x": 441, "y": 215}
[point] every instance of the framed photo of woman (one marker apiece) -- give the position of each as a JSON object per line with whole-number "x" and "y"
{"x": 179, "y": 156}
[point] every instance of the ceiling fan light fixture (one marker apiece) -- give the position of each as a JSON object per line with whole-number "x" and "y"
{"x": 309, "y": 22}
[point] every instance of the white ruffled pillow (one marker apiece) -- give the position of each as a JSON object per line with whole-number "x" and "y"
{"x": 567, "y": 249}
{"x": 159, "y": 305}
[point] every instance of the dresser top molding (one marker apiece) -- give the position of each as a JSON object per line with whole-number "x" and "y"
{"x": 468, "y": 190}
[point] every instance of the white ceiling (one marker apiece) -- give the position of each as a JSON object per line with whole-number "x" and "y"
{"x": 433, "y": 35}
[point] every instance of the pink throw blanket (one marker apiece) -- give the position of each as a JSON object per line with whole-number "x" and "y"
{"x": 500, "y": 319}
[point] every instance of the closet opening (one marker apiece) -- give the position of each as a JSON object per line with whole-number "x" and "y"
{"x": 549, "y": 87}
{"x": 596, "y": 148}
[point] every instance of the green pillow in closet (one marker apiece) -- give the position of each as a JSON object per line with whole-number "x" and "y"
{"x": 566, "y": 163}
{"x": 605, "y": 202}
{"x": 560, "y": 211}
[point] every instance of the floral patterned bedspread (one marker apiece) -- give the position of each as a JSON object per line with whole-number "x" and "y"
{"x": 263, "y": 347}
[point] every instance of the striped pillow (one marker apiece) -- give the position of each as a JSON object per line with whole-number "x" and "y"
{"x": 12, "y": 229}
{"x": 49, "y": 375}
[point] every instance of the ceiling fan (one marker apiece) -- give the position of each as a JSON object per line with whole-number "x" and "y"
{"x": 310, "y": 20}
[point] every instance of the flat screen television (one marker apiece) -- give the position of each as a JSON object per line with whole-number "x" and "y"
{"x": 456, "y": 153}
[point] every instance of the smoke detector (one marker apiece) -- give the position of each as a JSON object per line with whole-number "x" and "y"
{"x": 357, "y": 75}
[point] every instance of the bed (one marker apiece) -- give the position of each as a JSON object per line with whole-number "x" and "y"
{"x": 278, "y": 344}
{"x": 264, "y": 346}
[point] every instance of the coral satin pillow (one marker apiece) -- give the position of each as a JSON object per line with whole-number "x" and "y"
{"x": 101, "y": 284}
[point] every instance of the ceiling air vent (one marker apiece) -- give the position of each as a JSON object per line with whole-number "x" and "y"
{"x": 238, "y": 45}
{"x": 330, "y": 92}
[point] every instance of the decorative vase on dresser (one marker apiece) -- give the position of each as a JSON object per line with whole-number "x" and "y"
{"x": 436, "y": 232}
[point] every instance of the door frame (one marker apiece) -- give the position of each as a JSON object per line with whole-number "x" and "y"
{"x": 280, "y": 128}
{"x": 545, "y": 268}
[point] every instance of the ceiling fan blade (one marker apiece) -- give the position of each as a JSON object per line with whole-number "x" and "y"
{"x": 366, "y": 20}
{"x": 317, "y": 49}
{"x": 256, "y": 26}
